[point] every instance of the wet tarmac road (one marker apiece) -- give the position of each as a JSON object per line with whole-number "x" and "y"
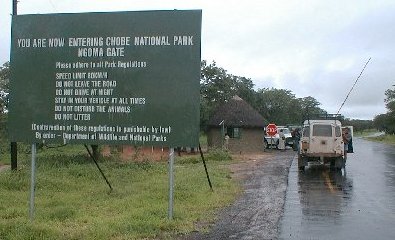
{"x": 355, "y": 203}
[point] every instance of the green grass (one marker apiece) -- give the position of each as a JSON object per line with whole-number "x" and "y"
{"x": 365, "y": 133}
{"x": 386, "y": 138}
{"x": 72, "y": 200}
{"x": 203, "y": 140}
{"x": 5, "y": 159}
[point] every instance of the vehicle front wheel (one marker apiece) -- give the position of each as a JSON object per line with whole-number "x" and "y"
{"x": 301, "y": 163}
{"x": 340, "y": 163}
{"x": 265, "y": 145}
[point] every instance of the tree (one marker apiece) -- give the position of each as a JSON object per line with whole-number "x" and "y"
{"x": 215, "y": 83}
{"x": 379, "y": 122}
{"x": 390, "y": 100}
{"x": 359, "y": 125}
{"x": 217, "y": 87}
{"x": 383, "y": 122}
{"x": 310, "y": 107}
{"x": 245, "y": 89}
{"x": 386, "y": 122}
{"x": 214, "y": 89}
{"x": 4, "y": 86}
{"x": 4, "y": 90}
{"x": 282, "y": 107}
{"x": 277, "y": 105}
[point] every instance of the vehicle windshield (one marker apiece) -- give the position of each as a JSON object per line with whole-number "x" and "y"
{"x": 306, "y": 131}
{"x": 285, "y": 130}
{"x": 338, "y": 131}
{"x": 322, "y": 130}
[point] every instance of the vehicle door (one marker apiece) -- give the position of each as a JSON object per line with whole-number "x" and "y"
{"x": 323, "y": 138}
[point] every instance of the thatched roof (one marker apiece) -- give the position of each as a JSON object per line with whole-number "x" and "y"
{"x": 237, "y": 113}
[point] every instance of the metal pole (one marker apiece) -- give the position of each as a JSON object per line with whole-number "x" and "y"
{"x": 14, "y": 7}
{"x": 14, "y": 146}
{"x": 14, "y": 156}
{"x": 32, "y": 181}
{"x": 171, "y": 183}
{"x": 205, "y": 168}
{"x": 92, "y": 155}
{"x": 353, "y": 86}
{"x": 223, "y": 134}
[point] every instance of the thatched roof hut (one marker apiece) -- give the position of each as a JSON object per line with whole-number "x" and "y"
{"x": 241, "y": 122}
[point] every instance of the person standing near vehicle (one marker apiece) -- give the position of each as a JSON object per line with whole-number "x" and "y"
{"x": 281, "y": 140}
{"x": 226, "y": 142}
{"x": 296, "y": 138}
{"x": 346, "y": 139}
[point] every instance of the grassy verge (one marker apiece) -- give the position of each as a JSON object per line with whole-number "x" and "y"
{"x": 387, "y": 138}
{"x": 73, "y": 202}
{"x": 365, "y": 133}
{"x": 4, "y": 159}
{"x": 5, "y": 156}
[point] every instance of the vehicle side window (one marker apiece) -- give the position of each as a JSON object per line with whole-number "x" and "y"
{"x": 338, "y": 131}
{"x": 306, "y": 131}
{"x": 322, "y": 130}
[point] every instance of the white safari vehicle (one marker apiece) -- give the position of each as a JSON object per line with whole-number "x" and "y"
{"x": 321, "y": 142}
{"x": 274, "y": 141}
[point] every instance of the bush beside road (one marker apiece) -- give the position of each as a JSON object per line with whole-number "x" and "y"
{"x": 383, "y": 138}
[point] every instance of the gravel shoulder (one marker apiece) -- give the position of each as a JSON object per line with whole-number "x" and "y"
{"x": 257, "y": 211}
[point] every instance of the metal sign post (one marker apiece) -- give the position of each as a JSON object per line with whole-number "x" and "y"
{"x": 32, "y": 181}
{"x": 14, "y": 145}
{"x": 222, "y": 123}
{"x": 171, "y": 183}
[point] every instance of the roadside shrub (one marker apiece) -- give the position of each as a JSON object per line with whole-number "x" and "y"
{"x": 218, "y": 155}
{"x": 188, "y": 159}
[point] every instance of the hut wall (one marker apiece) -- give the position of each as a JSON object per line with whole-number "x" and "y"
{"x": 214, "y": 138}
{"x": 251, "y": 140}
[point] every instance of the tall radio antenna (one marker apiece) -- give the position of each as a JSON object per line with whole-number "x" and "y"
{"x": 353, "y": 86}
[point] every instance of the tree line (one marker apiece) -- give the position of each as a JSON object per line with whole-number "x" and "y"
{"x": 386, "y": 121}
{"x": 279, "y": 106}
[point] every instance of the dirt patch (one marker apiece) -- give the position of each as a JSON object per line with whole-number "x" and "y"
{"x": 245, "y": 163}
{"x": 137, "y": 154}
{"x": 4, "y": 167}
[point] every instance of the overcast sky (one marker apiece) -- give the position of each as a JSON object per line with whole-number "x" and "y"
{"x": 313, "y": 48}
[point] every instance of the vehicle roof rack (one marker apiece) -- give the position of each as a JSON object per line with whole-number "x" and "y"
{"x": 326, "y": 116}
